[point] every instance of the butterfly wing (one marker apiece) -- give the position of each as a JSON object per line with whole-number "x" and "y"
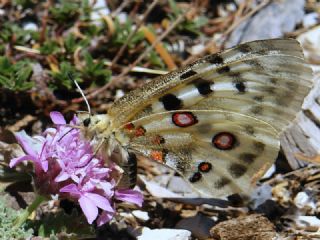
{"x": 246, "y": 95}
{"x": 266, "y": 79}
{"x": 214, "y": 150}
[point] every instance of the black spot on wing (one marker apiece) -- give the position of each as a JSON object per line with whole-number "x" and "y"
{"x": 259, "y": 146}
{"x": 215, "y": 59}
{"x": 249, "y": 129}
{"x": 237, "y": 170}
{"x": 195, "y": 177}
{"x": 240, "y": 86}
{"x": 256, "y": 110}
{"x": 223, "y": 181}
{"x": 247, "y": 157}
{"x": 224, "y": 69}
{"x": 188, "y": 74}
{"x": 244, "y": 48}
{"x": 171, "y": 102}
{"x": 204, "y": 87}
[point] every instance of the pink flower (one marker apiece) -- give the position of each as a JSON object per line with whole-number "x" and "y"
{"x": 64, "y": 164}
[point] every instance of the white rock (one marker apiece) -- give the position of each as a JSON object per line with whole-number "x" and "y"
{"x": 301, "y": 200}
{"x": 270, "y": 171}
{"x": 310, "y": 19}
{"x": 101, "y": 9}
{"x": 196, "y": 49}
{"x": 119, "y": 94}
{"x": 308, "y": 222}
{"x": 30, "y": 26}
{"x": 141, "y": 215}
{"x": 199, "y": 225}
{"x": 164, "y": 234}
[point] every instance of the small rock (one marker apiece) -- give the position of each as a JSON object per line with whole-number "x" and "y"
{"x": 199, "y": 225}
{"x": 260, "y": 195}
{"x": 301, "y": 200}
{"x": 164, "y": 234}
{"x": 310, "y": 19}
{"x": 271, "y": 209}
{"x": 196, "y": 49}
{"x": 30, "y": 26}
{"x": 309, "y": 223}
{"x": 141, "y": 215}
{"x": 253, "y": 226}
{"x": 269, "y": 172}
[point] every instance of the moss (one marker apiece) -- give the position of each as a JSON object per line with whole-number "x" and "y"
{"x": 7, "y": 218}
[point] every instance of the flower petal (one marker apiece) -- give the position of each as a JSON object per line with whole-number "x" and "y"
{"x": 89, "y": 209}
{"x": 71, "y": 188}
{"x": 17, "y": 160}
{"x": 100, "y": 201}
{"x": 104, "y": 218}
{"x": 30, "y": 145}
{"x": 129, "y": 195}
{"x": 57, "y": 118}
{"x": 62, "y": 177}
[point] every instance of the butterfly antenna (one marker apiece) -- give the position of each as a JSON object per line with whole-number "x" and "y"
{"x": 80, "y": 90}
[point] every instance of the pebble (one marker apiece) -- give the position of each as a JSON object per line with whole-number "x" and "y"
{"x": 164, "y": 234}
{"x": 141, "y": 215}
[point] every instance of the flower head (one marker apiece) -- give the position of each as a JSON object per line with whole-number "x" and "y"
{"x": 65, "y": 164}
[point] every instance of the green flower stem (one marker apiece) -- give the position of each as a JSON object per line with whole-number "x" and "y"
{"x": 27, "y": 212}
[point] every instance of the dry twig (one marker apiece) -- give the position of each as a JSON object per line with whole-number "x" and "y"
{"x": 118, "y": 78}
{"x": 139, "y": 24}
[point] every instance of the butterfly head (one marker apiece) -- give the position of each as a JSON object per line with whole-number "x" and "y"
{"x": 97, "y": 126}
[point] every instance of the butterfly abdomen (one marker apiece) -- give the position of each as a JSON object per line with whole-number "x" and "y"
{"x": 129, "y": 177}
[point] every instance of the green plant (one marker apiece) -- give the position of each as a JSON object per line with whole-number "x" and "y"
{"x": 7, "y": 221}
{"x": 61, "y": 78}
{"x": 65, "y": 11}
{"x": 122, "y": 32}
{"x": 95, "y": 70}
{"x": 15, "y": 76}
{"x": 187, "y": 25}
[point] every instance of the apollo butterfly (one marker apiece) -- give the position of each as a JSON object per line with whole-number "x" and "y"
{"x": 216, "y": 121}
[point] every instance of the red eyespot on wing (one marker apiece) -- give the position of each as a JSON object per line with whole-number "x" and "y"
{"x": 140, "y": 131}
{"x": 129, "y": 126}
{"x": 157, "y": 156}
{"x": 184, "y": 119}
{"x": 204, "y": 167}
{"x": 224, "y": 141}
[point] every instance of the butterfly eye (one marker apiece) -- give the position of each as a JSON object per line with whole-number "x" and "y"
{"x": 86, "y": 122}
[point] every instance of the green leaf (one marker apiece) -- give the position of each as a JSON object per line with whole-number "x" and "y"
{"x": 65, "y": 11}
{"x": 61, "y": 78}
{"x": 50, "y": 47}
{"x": 156, "y": 60}
{"x": 175, "y": 10}
{"x": 74, "y": 225}
{"x": 15, "y": 76}
{"x": 7, "y": 221}
{"x": 122, "y": 32}
{"x": 95, "y": 71}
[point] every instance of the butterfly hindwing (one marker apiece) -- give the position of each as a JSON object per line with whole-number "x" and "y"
{"x": 216, "y": 151}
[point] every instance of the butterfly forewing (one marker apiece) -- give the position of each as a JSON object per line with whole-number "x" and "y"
{"x": 267, "y": 79}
